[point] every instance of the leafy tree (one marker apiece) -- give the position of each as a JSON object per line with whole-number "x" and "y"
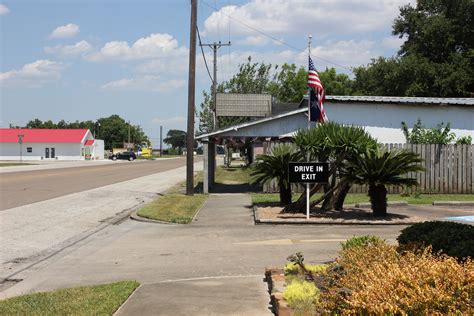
{"x": 287, "y": 84}
{"x": 434, "y": 60}
{"x": 275, "y": 166}
{"x": 334, "y": 83}
{"x": 380, "y": 168}
{"x": 421, "y": 135}
{"x": 176, "y": 139}
{"x": 113, "y": 130}
{"x": 290, "y": 84}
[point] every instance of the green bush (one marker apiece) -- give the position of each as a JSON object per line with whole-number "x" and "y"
{"x": 301, "y": 296}
{"x": 453, "y": 239}
{"x": 361, "y": 241}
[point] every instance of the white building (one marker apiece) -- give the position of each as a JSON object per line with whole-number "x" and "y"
{"x": 49, "y": 144}
{"x": 380, "y": 116}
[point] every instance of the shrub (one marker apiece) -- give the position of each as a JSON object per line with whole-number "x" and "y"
{"x": 378, "y": 280}
{"x": 302, "y": 296}
{"x": 453, "y": 239}
{"x": 292, "y": 268}
{"x": 360, "y": 241}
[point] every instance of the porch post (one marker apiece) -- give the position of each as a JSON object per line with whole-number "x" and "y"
{"x": 212, "y": 163}
{"x": 205, "y": 160}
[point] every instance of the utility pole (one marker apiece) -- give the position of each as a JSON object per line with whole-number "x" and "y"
{"x": 20, "y": 141}
{"x": 128, "y": 144}
{"x": 215, "y": 46}
{"x": 191, "y": 100}
{"x": 161, "y": 141}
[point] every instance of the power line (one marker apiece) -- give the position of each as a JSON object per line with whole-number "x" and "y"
{"x": 203, "y": 55}
{"x": 274, "y": 38}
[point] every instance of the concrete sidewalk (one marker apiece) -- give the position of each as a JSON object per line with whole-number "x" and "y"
{"x": 213, "y": 266}
{"x": 32, "y": 232}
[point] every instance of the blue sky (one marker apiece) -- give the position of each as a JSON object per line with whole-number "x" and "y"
{"x": 82, "y": 60}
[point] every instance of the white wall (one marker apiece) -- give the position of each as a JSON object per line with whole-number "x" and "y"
{"x": 98, "y": 152}
{"x": 383, "y": 121}
{"x": 63, "y": 151}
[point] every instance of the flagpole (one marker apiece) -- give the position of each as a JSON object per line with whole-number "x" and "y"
{"x": 308, "y": 157}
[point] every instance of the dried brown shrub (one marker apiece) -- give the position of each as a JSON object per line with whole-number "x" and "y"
{"x": 379, "y": 280}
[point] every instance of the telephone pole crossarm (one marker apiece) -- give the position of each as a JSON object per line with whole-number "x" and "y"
{"x": 215, "y": 46}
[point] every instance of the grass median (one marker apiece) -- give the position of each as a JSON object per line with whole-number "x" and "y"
{"x": 86, "y": 300}
{"x": 353, "y": 198}
{"x": 174, "y": 208}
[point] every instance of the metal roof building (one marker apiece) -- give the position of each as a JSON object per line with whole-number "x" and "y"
{"x": 380, "y": 116}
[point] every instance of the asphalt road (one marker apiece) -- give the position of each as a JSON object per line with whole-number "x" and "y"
{"x": 26, "y": 187}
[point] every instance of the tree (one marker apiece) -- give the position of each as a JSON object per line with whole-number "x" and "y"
{"x": 434, "y": 60}
{"x": 334, "y": 83}
{"x": 290, "y": 84}
{"x": 275, "y": 166}
{"x": 176, "y": 139}
{"x": 421, "y": 135}
{"x": 335, "y": 143}
{"x": 380, "y": 168}
{"x": 113, "y": 130}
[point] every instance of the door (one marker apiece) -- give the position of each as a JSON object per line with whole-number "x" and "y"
{"x": 46, "y": 153}
{"x": 53, "y": 152}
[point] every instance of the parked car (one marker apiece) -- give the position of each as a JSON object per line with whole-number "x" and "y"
{"x": 126, "y": 155}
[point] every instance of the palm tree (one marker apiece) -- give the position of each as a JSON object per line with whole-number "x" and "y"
{"x": 380, "y": 168}
{"x": 335, "y": 143}
{"x": 275, "y": 166}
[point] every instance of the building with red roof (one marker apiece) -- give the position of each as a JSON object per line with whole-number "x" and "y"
{"x": 49, "y": 144}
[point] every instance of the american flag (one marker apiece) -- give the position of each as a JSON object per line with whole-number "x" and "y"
{"x": 316, "y": 95}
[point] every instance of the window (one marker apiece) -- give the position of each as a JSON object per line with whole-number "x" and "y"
{"x": 29, "y": 149}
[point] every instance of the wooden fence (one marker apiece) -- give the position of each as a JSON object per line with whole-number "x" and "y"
{"x": 449, "y": 169}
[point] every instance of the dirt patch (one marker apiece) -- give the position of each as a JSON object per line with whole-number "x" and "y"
{"x": 273, "y": 214}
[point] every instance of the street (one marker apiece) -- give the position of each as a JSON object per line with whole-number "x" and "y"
{"x": 26, "y": 187}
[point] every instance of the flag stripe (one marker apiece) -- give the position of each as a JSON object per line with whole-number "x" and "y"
{"x": 316, "y": 96}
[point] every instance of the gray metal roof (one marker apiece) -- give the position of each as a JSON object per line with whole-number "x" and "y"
{"x": 440, "y": 101}
{"x": 250, "y": 123}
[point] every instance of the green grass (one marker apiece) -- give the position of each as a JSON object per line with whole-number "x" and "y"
{"x": 11, "y": 164}
{"x": 232, "y": 175}
{"x": 174, "y": 207}
{"x": 354, "y": 198}
{"x": 86, "y": 300}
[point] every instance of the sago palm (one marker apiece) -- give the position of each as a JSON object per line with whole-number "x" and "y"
{"x": 380, "y": 168}
{"x": 275, "y": 166}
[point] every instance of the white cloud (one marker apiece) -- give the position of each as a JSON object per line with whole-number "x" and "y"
{"x": 172, "y": 121}
{"x": 392, "y": 42}
{"x": 65, "y": 31}
{"x": 77, "y": 49}
{"x": 35, "y": 74}
{"x": 156, "y": 45}
{"x": 321, "y": 18}
{"x": 145, "y": 83}
{"x": 4, "y": 9}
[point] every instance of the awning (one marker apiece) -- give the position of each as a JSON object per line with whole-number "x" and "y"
{"x": 89, "y": 142}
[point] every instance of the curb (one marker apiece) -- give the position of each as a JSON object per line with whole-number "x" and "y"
{"x": 134, "y": 216}
{"x": 453, "y": 203}
{"x": 127, "y": 300}
{"x": 392, "y": 203}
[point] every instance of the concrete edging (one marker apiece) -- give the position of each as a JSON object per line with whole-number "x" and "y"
{"x": 453, "y": 203}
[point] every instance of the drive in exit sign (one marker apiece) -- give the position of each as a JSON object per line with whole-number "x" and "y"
{"x": 308, "y": 172}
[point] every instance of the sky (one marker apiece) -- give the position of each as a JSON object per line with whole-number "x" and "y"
{"x": 83, "y": 60}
